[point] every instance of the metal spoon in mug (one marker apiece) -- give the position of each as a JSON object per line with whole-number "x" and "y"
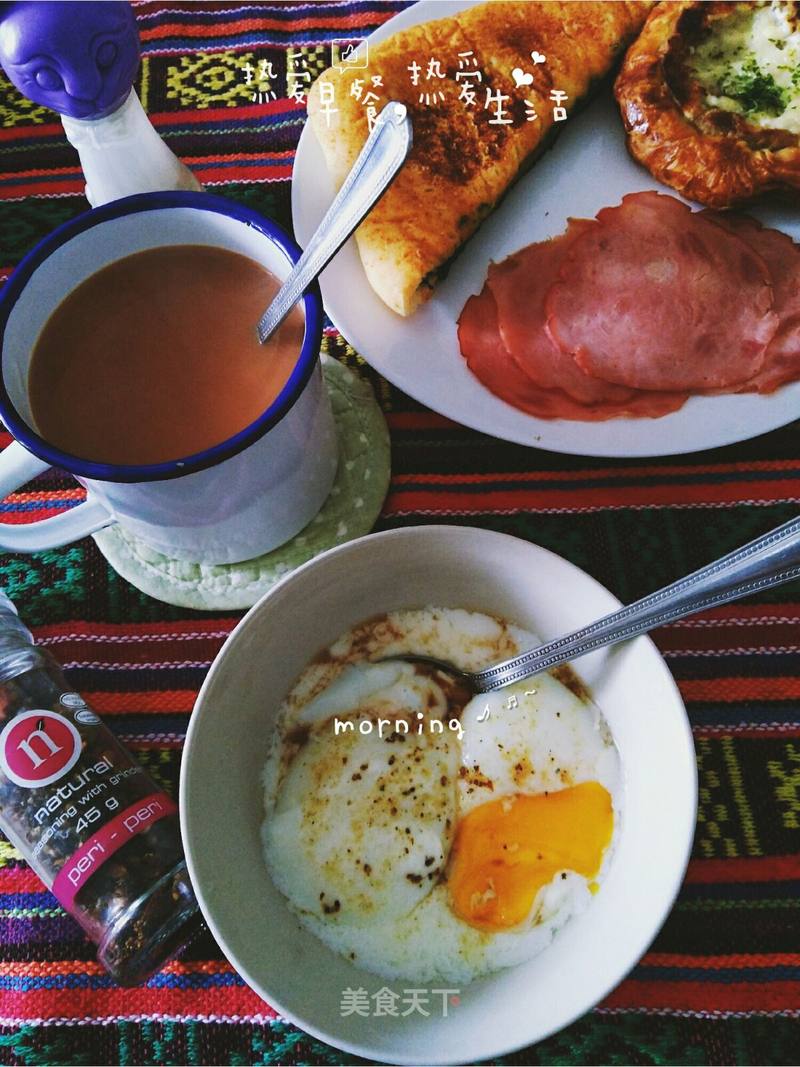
{"x": 384, "y": 152}
{"x": 768, "y": 561}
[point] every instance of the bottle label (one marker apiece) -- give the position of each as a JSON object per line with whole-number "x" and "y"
{"x": 38, "y": 747}
{"x": 71, "y": 797}
{"x": 98, "y": 848}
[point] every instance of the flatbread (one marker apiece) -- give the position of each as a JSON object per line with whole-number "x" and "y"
{"x": 462, "y": 162}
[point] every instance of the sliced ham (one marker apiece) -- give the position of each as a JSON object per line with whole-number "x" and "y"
{"x": 783, "y": 359}
{"x": 659, "y": 297}
{"x": 489, "y": 360}
{"x": 630, "y": 314}
{"x": 519, "y": 285}
{"x": 782, "y": 256}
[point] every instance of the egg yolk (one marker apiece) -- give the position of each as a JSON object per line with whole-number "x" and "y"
{"x": 507, "y": 849}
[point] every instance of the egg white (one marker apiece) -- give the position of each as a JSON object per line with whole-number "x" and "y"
{"x": 359, "y": 824}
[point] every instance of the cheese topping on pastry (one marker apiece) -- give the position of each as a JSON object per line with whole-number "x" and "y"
{"x": 749, "y": 64}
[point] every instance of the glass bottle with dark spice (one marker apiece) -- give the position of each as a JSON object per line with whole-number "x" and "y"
{"x": 90, "y": 821}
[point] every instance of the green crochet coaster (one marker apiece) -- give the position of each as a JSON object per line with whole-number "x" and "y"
{"x": 351, "y": 509}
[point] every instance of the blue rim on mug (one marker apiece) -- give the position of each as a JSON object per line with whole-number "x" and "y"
{"x": 150, "y": 472}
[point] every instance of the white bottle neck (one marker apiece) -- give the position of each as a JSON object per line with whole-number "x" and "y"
{"x": 129, "y": 117}
{"x": 122, "y": 154}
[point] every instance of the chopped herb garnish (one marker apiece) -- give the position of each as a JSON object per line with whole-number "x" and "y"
{"x": 757, "y": 92}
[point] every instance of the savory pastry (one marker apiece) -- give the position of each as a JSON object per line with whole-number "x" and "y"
{"x": 710, "y": 98}
{"x": 468, "y": 149}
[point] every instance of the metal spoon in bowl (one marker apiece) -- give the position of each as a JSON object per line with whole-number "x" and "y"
{"x": 384, "y": 152}
{"x": 770, "y": 560}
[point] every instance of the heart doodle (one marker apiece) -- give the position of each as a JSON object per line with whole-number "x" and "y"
{"x": 537, "y": 57}
{"x": 521, "y": 77}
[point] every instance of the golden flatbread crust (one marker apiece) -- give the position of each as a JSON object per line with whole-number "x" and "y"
{"x": 461, "y": 163}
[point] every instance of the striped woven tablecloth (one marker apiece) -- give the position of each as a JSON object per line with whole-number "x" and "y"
{"x": 721, "y": 983}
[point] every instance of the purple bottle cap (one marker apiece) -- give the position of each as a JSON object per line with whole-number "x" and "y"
{"x": 78, "y": 57}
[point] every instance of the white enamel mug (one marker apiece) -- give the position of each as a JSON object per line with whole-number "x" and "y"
{"x": 231, "y": 502}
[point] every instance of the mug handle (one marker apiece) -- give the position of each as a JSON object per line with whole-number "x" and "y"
{"x": 18, "y": 466}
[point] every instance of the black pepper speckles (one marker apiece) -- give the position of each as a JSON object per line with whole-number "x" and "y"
{"x": 388, "y": 804}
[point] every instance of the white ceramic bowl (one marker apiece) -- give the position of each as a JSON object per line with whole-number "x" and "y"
{"x": 227, "y": 744}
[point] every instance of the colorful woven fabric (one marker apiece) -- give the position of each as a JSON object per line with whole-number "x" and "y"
{"x": 721, "y": 984}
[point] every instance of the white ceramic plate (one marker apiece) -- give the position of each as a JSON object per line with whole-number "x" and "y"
{"x": 221, "y": 800}
{"x": 587, "y": 169}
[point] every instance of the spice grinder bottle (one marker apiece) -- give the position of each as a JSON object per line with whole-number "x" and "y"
{"x": 94, "y": 826}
